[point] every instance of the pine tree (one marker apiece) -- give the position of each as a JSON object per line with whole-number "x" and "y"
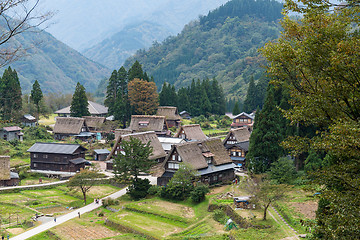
{"x": 10, "y": 93}
{"x": 136, "y": 71}
{"x": 36, "y": 97}
{"x": 111, "y": 92}
{"x": 143, "y": 96}
{"x": 122, "y": 104}
{"x": 79, "y": 103}
{"x": 218, "y": 98}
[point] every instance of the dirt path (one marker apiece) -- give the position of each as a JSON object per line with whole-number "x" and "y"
{"x": 291, "y": 230}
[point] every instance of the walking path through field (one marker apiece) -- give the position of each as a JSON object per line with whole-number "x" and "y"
{"x": 35, "y": 185}
{"x": 283, "y": 220}
{"x": 66, "y": 217}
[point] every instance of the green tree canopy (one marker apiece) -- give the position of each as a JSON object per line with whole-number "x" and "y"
{"x": 10, "y": 95}
{"x": 135, "y": 159}
{"x": 79, "y": 103}
{"x": 36, "y": 97}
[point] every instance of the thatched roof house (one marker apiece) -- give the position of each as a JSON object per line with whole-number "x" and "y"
{"x": 191, "y": 132}
{"x": 237, "y": 144}
{"x": 143, "y": 123}
{"x": 95, "y": 109}
{"x": 69, "y": 126}
{"x": 171, "y": 114}
{"x": 94, "y": 123}
{"x": 208, "y": 157}
{"x": 7, "y": 178}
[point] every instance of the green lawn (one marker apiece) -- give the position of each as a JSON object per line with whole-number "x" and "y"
{"x": 47, "y": 121}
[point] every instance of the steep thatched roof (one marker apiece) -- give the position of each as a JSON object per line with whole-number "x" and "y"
{"x": 170, "y": 113}
{"x": 142, "y": 123}
{"x": 241, "y": 134}
{"x": 220, "y": 155}
{"x": 94, "y": 122}
{"x": 191, "y": 132}
{"x": 144, "y": 137}
{"x": 68, "y": 125}
{"x": 121, "y": 131}
{"x": 191, "y": 154}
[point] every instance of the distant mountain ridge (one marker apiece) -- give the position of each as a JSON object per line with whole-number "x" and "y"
{"x": 56, "y": 66}
{"x": 222, "y": 44}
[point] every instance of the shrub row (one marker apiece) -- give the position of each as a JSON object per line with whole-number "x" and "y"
{"x": 126, "y": 229}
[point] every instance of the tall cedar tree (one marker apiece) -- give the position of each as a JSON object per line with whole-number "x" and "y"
{"x": 183, "y": 100}
{"x": 266, "y": 137}
{"x": 135, "y": 159}
{"x": 317, "y": 58}
{"x": 136, "y": 71}
{"x": 236, "y": 109}
{"x": 117, "y": 99}
{"x": 143, "y": 97}
{"x": 10, "y": 95}
{"x": 79, "y": 103}
{"x": 36, "y": 97}
{"x": 250, "y": 103}
{"x": 168, "y": 96}
{"x": 217, "y": 98}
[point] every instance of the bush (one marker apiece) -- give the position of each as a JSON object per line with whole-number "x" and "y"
{"x": 139, "y": 189}
{"x": 220, "y": 216}
{"x": 199, "y": 192}
{"x": 154, "y": 190}
{"x": 109, "y": 202}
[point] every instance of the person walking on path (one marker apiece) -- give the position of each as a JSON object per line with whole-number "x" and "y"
{"x": 79, "y": 214}
{"x": 55, "y": 219}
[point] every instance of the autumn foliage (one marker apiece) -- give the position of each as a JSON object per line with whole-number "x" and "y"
{"x": 143, "y": 96}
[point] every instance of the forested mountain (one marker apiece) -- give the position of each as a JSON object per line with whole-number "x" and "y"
{"x": 222, "y": 44}
{"x": 56, "y": 66}
{"x": 113, "y": 51}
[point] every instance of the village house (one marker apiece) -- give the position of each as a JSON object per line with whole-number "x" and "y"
{"x": 243, "y": 120}
{"x": 185, "y": 115}
{"x": 144, "y": 123}
{"x": 95, "y": 109}
{"x": 61, "y": 157}
{"x": 208, "y": 157}
{"x": 11, "y": 133}
{"x": 173, "y": 119}
{"x": 70, "y": 126}
{"x": 168, "y": 142}
{"x": 94, "y": 123}
{"x": 101, "y": 154}
{"x": 7, "y": 178}
{"x": 28, "y": 120}
{"x": 237, "y": 144}
{"x": 158, "y": 154}
{"x": 190, "y": 133}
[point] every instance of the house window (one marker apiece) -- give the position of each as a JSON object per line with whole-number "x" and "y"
{"x": 173, "y": 157}
{"x": 215, "y": 178}
{"x": 179, "y": 158}
{"x": 209, "y": 160}
{"x": 35, "y": 165}
{"x": 45, "y": 156}
{"x": 57, "y": 159}
{"x": 173, "y": 165}
{"x": 35, "y": 155}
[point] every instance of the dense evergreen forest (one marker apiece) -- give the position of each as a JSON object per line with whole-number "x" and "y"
{"x": 222, "y": 44}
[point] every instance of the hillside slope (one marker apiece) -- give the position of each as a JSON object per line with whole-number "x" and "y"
{"x": 56, "y": 66}
{"x": 222, "y": 44}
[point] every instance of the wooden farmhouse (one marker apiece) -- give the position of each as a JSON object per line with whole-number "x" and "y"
{"x": 7, "y": 178}
{"x": 157, "y": 155}
{"x": 101, "y": 154}
{"x": 144, "y": 123}
{"x": 59, "y": 157}
{"x": 173, "y": 119}
{"x": 168, "y": 142}
{"x": 185, "y": 115}
{"x": 28, "y": 120}
{"x": 11, "y": 133}
{"x": 208, "y": 157}
{"x": 94, "y": 123}
{"x": 95, "y": 109}
{"x": 191, "y": 132}
{"x": 237, "y": 144}
{"x": 242, "y": 120}
{"x": 69, "y": 126}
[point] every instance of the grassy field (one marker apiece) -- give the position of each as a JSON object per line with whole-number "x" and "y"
{"x": 47, "y": 121}
{"x": 55, "y": 201}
